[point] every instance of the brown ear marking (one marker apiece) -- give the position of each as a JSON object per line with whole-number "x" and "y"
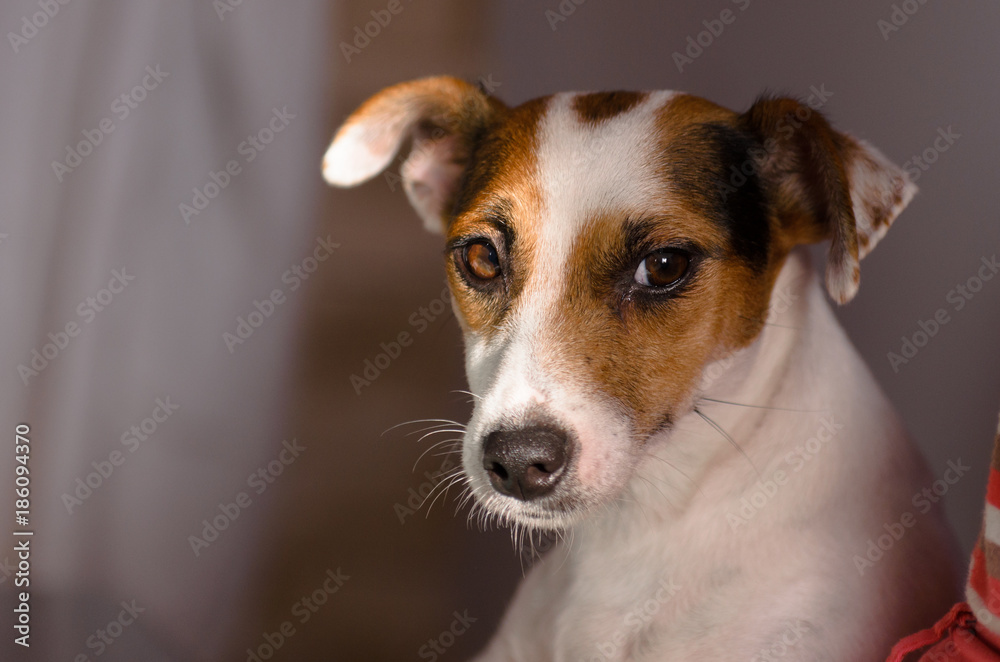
{"x": 825, "y": 185}
{"x": 441, "y": 115}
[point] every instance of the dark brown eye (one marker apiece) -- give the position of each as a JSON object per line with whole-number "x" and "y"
{"x": 481, "y": 260}
{"x": 662, "y": 268}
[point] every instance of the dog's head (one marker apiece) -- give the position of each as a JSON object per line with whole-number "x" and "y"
{"x": 601, "y": 249}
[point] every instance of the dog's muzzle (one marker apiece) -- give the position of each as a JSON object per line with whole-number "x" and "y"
{"x": 527, "y": 463}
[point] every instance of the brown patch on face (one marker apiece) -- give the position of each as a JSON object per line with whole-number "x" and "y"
{"x": 599, "y": 106}
{"x": 644, "y": 350}
{"x": 498, "y": 200}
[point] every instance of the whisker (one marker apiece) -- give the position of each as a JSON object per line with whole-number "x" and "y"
{"x": 465, "y": 499}
{"x": 718, "y": 428}
{"x": 451, "y": 479}
{"x": 454, "y": 451}
{"x": 741, "y": 404}
{"x": 646, "y": 480}
{"x": 678, "y": 470}
{"x": 432, "y": 428}
{"x": 424, "y": 420}
{"x": 441, "y": 431}
{"x": 430, "y": 448}
{"x": 447, "y": 477}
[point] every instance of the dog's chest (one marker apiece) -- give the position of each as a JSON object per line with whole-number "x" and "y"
{"x": 627, "y": 599}
{"x": 636, "y": 603}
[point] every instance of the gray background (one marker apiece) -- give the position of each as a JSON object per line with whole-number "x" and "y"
{"x": 337, "y": 507}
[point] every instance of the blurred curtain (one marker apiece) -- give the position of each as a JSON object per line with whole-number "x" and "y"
{"x": 159, "y": 179}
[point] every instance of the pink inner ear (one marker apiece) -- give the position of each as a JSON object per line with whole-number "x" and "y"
{"x": 431, "y": 175}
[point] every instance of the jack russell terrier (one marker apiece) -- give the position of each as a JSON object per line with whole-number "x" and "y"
{"x": 729, "y": 481}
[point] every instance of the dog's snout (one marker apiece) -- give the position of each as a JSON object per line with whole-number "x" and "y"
{"x": 526, "y": 463}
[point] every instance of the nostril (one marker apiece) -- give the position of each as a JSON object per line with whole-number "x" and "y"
{"x": 549, "y": 467}
{"x": 497, "y": 469}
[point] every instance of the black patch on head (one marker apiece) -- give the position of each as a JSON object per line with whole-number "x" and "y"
{"x": 493, "y": 145}
{"x": 715, "y": 166}
{"x": 598, "y": 106}
{"x": 482, "y": 167}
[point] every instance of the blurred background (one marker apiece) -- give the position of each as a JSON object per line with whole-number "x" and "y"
{"x": 184, "y": 303}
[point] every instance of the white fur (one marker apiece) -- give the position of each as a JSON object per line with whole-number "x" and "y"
{"x": 788, "y": 571}
{"x": 356, "y": 154}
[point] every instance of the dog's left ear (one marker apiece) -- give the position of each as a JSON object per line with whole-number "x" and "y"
{"x": 442, "y": 115}
{"x": 826, "y": 185}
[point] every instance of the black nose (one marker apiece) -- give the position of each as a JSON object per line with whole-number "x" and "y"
{"x": 525, "y": 463}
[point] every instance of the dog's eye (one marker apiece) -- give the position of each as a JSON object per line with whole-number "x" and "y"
{"x": 481, "y": 260}
{"x": 662, "y": 268}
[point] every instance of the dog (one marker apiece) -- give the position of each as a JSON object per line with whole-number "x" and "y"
{"x": 658, "y": 375}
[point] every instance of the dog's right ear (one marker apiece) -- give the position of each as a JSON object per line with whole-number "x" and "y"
{"x": 442, "y": 115}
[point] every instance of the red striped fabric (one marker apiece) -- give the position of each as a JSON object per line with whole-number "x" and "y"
{"x": 970, "y": 632}
{"x": 993, "y": 488}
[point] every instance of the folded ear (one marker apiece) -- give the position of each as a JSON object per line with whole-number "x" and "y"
{"x": 826, "y": 185}
{"x": 442, "y": 115}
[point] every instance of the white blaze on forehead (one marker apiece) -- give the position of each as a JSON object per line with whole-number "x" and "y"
{"x": 586, "y": 169}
